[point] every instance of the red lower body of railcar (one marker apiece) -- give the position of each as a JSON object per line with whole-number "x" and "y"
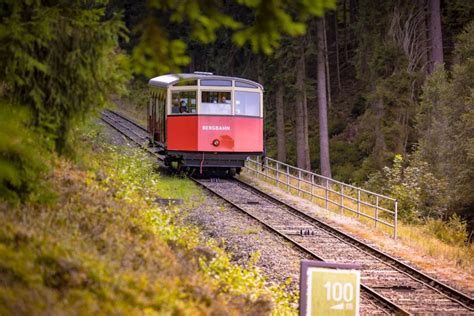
{"x": 213, "y": 141}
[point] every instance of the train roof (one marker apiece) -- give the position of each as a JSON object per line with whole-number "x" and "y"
{"x": 168, "y": 80}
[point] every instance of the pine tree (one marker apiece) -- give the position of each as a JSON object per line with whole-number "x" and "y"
{"x": 60, "y": 60}
{"x": 322, "y": 102}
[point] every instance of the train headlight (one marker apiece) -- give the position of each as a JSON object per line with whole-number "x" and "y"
{"x": 216, "y": 142}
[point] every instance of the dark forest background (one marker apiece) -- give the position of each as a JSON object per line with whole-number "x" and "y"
{"x": 375, "y": 93}
{"x": 399, "y": 88}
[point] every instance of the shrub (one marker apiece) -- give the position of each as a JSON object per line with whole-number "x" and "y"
{"x": 106, "y": 247}
{"x": 60, "y": 59}
{"x": 453, "y": 231}
{"x": 419, "y": 193}
{"x": 20, "y": 152}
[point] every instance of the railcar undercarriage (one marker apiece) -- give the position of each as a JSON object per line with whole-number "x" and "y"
{"x": 207, "y": 164}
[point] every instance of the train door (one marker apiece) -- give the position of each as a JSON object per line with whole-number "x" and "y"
{"x": 161, "y": 119}
{"x": 149, "y": 117}
{"x": 156, "y": 116}
{"x": 160, "y": 116}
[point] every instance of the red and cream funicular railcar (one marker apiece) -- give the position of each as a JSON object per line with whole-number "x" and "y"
{"x": 204, "y": 123}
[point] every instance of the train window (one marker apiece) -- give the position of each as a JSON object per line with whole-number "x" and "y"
{"x": 244, "y": 85}
{"x": 216, "y": 83}
{"x": 218, "y": 103}
{"x": 188, "y": 82}
{"x": 247, "y": 103}
{"x": 183, "y": 102}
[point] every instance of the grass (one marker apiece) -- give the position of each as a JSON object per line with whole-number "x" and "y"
{"x": 422, "y": 238}
{"x": 105, "y": 247}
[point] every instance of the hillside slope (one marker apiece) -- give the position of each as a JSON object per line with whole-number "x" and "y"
{"x": 103, "y": 245}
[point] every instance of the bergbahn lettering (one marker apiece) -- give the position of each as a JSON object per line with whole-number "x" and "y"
{"x": 215, "y": 128}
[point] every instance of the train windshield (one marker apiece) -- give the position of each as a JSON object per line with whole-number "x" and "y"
{"x": 247, "y": 103}
{"x": 216, "y": 103}
{"x": 183, "y": 102}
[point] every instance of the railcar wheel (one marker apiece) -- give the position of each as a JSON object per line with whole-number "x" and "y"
{"x": 231, "y": 172}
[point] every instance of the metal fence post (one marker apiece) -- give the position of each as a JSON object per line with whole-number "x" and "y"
{"x": 287, "y": 179}
{"x": 312, "y": 187}
{"x": 299, "y": 182}
{"x": 277, "y": 176}
{"x": 266, "y": 167}
{"x": 256, "y": 166}
{"x": 342, "y": 198}
{"x": 376, "y": 210}
{"x": 395, "y": 222}
{"x": 358, "y": 204}
{"x": 327, "y": 193}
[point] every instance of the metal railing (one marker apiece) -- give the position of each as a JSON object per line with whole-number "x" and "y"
{"x": 334, "y": 195}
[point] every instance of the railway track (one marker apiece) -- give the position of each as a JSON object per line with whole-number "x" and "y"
{"x": 131, "y": 130}
{"x": 395, "y": 287}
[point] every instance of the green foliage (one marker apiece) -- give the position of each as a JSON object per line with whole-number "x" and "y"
{"x": 106, "y": 247}
{"x": 344, "y": 158}
{"x": 60, "y": 60}
{"x": 464, "y": 45}
{"x": 437, "y": 178}
{"x": 390, "y": 87}
{"x": 453, "y": 231}
{"x": 419, "y": 193}
{"x": 20, "y": 148}
{"x": 272, "y": 20}
{"x": 445, "y": 122}
{"x": 157, "y": 53}
{"x": 238, "y": 281}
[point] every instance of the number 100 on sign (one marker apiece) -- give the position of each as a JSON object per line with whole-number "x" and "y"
{"x": 332, "y": 291}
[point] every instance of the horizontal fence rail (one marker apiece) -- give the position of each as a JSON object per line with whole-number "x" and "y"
{"x": 328, "y": 193}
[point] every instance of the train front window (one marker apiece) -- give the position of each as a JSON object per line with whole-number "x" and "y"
{"x": 245, "y": 85}
{"x": 216, "y": 103}
{"x": 247, "y": 103}
{"x": 183, "y": 102}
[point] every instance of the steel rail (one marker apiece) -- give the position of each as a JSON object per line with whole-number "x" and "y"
{"x": 378, "y": 297}
{"x": 127, "y": 119}
{"x": 434, "y": 284}
{"x": 110, "y": 118}
{"x": 140, "y": 144}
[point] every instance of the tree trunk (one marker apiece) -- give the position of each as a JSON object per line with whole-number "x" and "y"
{"x": 423, "y": 37}
{"x": 300, "y": 120}
{"x": 322, "y": 103}
{"x": 306, "y": 137}
{"x": 326, "y": 58}
{"x": 280, "y": 122}
{"x": 336, "y": 43}
{"x": 352, "y": 11}
{"x": 379, "y": 147}
{"x": 346, "y": 56}
{"x": 436, "y": 39}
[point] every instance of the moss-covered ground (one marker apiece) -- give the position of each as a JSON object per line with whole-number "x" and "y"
{"x": 103, "y": 246}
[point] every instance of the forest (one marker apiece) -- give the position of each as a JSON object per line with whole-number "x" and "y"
{"x": 373, "y": 93}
